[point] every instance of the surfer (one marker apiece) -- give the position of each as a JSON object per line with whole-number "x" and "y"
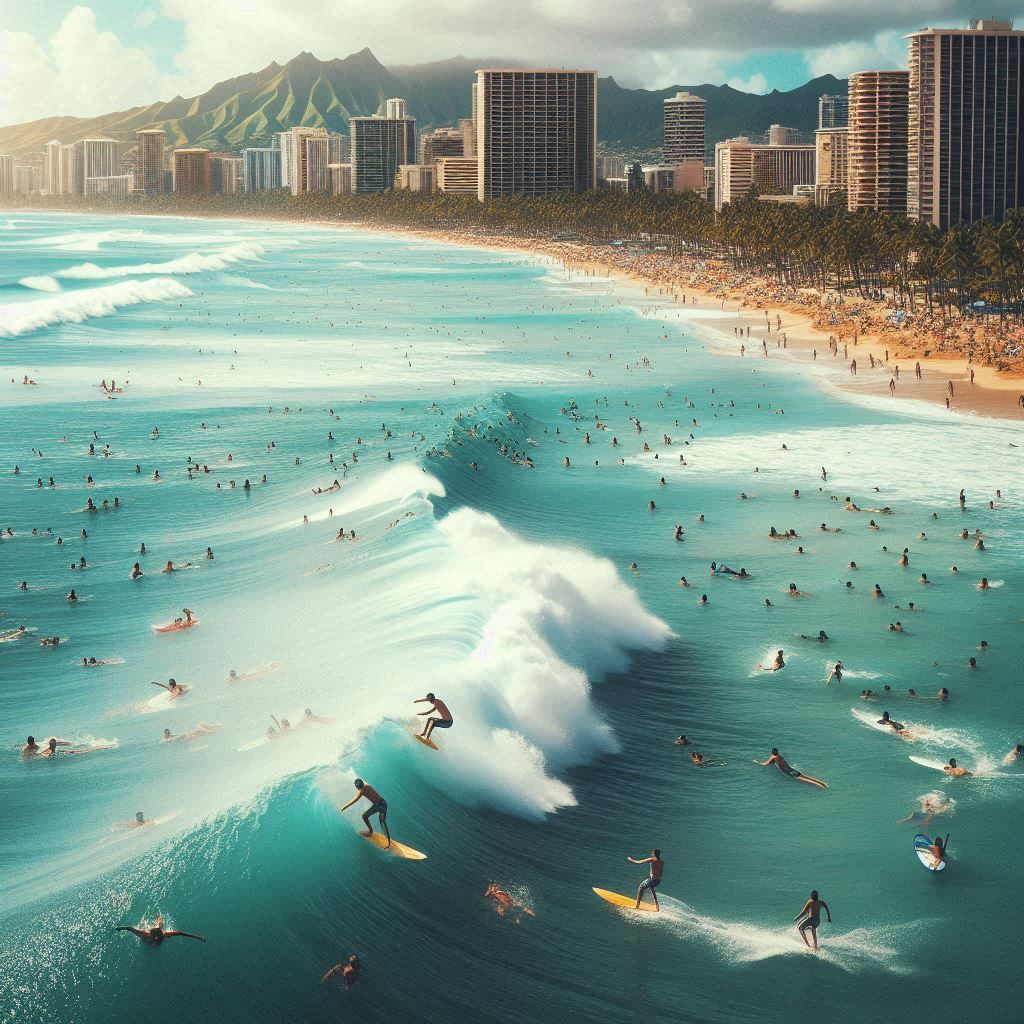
{"x": 653, "y": 880}
{"x": 32, "y": 749}
{"x": 938, "y": 851}
{"x": 811, "y": 914}
{"x": 445, "y": 721}
{"x": 776, "y": 665}
{"x": 174, "y": 689}
{"x": 787, "y": 769}
{"x": 955, "y": 770}
{"x": 138, "y": 821}
{"x": 347, "y": 972}
{"x": 378, "y": 806}
{"x": 154, "y": 935}
{"x": 836, "y": 673}
{"x": 1008, "y": 759}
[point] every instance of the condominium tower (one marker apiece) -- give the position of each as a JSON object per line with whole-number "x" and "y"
{"x": 536, "y": 131}
{"x": 877, "y": 142}
{"x": 261, "y": 169}
{"x": 379, "y": 146}
{"x": 192, "y": 171}
{"x": 149, "y": 161}
{"x": 741, "y": 165}
{"x": 966, "y": 105}
{"x": 684, "y": 128}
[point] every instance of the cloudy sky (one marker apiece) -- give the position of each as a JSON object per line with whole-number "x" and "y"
{"x": 85, "y": 59}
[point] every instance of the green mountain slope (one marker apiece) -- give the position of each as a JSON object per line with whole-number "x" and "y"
{"x": 247, "y": 110}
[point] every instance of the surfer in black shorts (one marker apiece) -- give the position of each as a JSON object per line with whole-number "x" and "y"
{"x": 653, "y": 880}
{"x": 787, "y": 769}
{"x": 445, "y": 721}
{"x": 155, "y": 934}
{"x": 378, "y": 806}
{"x": 811, "y": 915}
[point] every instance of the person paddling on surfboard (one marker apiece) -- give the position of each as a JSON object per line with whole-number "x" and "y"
{"x": 957, "y": 771}
{"x": 653, "y": 880}
{"x": 938, "y": 851}
{"x": 811, "y": 915}
{"x": 378, "y": 806}
{"x": 787, "y": 769}
{"x": 436, "y": 704}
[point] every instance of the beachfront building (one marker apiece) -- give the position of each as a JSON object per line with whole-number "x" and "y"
{"x": 281, "y": 142}
{"x": 150, "y": 144}
{"x": 340, "y": 177}
{"x": 536, "y": 131}
{"x": 6, "y": 174}
{"x": 966, "y": 158}
{"x": 317, "y": 177}
{"x": 417, "y": 177}
{"x": 833, "y": 110}
{"x": 26, "y": 178}
{"x": 459, "y": 174}
{"x": 117, "y": 186}
{"x": 68, "y": 168}
{"x": 192, "y": 171}
{"x": 225, "y": 174}
{"x": 51, "y": 168}
{"x": 295, "y": 156}
{"x": 467, "y": 125}
{"x": 685, "y": 176}
{"x": 441, "y": 142}
{"x": 261, "y": 169}
{"x": 877, "y": 142}
{"x": 830, "y": 164}
{"x": 741, "y": 165}
{"x": 93, "y": 158}
{"x": 379, "y": 146}
{"x": 683, "y": 128}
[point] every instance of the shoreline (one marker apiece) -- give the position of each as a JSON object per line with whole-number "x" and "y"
{"x": 992, "y": 394}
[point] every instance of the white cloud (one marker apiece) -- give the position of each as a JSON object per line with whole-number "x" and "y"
{"x": 81, "y": 71}
{"x": 886, "y": 52}
{"x": 145, "y": 18}
{"x": 755, "y": 83}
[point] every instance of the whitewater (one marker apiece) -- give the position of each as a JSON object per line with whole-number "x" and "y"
{"x": 279, "y": 387}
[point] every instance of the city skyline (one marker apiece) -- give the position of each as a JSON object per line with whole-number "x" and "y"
{"x": 51, "y": 52}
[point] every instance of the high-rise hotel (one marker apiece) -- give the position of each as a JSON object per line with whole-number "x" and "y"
{"x": 966, "y": 157}
{"x": 684, "y": 128}
{"x": 536, "y": 131}
{"x": 149, "y": 161}
{"x": 380, "y": 145}
{"x": 877, "y": 142}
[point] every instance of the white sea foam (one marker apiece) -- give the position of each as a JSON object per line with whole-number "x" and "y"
{"x": 92, "y": 241}
{"x": 74, "y": 307}
{"x": 193, "y": 263}
{"x": 41, "y": 283}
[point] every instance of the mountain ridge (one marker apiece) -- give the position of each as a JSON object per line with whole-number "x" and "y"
{"x": 246, "y": 110}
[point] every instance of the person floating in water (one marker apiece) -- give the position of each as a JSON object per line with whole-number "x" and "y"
{"x": 347, "y": 973}
{"x": 154, "y": 935}
{"x": 787, "y": 769}
{"x": 445, "y": 721}
{"x": 504, "y": 903}
{"x": 653, "y": 880}
{"x": 929, "y": 805}
{"x": 811, "y": 914}
{"x": 378, "y": 806}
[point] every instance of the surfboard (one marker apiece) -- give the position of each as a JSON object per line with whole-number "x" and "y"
{"x": 626, "y": 902}
{"x": 922, "y": 845}
{"x": 935, "y": 765}
{"x": 414, "y": 733}
{"x": 175, "y": 627}
{"x": 253, "y": 744}
{"x": 398, "y": 849}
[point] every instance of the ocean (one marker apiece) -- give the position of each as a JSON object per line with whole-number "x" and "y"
{"x": 279, "y": 383}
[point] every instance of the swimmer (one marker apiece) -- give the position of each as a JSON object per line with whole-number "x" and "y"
{"x": 929, "y": 806}
{"x": 137, "y": 572}
{"x": 444, "y": 721}
{"x": 1012, "y": 756}
{"x": 679, "y": 741}
{"x": 174, "y": 689}
{"x": 202, "y": 729}
{"x": 32, "y": 749}
{"x": 683, "y": 582}
{"x": 347, "y": 973}
{"x": 503, "y": 902}
{"x": 703, "y": 600}
{"x": 378, "y": 806}
{"x": 778, "y": 663}
{"x": 821, "y": 638}
{"x": 783, "y": 765}
{"x": 877, "y": 592}
{"x": 811, "y": 914}
{"x": 653, "y": 880}
{"x": 155, "y": 934}
{"x": 697, "y": 759}
{"x": 983, "y": 585}
{"x": 836, "y": 674}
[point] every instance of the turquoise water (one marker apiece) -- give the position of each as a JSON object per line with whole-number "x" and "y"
{"x": 508, "y": 591}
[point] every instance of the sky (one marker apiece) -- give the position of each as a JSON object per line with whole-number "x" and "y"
{"x": 60, "y": 58}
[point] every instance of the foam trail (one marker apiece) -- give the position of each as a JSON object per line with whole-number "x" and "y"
{"x": 193, "y": 263}
{"x": 739, "y": 942}
{"x": 74, "y": 307}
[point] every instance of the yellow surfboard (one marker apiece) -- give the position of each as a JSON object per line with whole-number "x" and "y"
{"x": 415, "y": 733}
{"x": 626, "y": 902}
{"x": 398, "y": 849}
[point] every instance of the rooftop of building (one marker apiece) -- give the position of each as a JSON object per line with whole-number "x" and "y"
{"x": 976, "y": 26}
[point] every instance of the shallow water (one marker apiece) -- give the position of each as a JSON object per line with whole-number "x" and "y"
{"x": 507, "y": 590}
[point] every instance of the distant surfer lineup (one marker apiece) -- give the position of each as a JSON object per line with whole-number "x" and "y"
{"x": 780, "y": 588}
